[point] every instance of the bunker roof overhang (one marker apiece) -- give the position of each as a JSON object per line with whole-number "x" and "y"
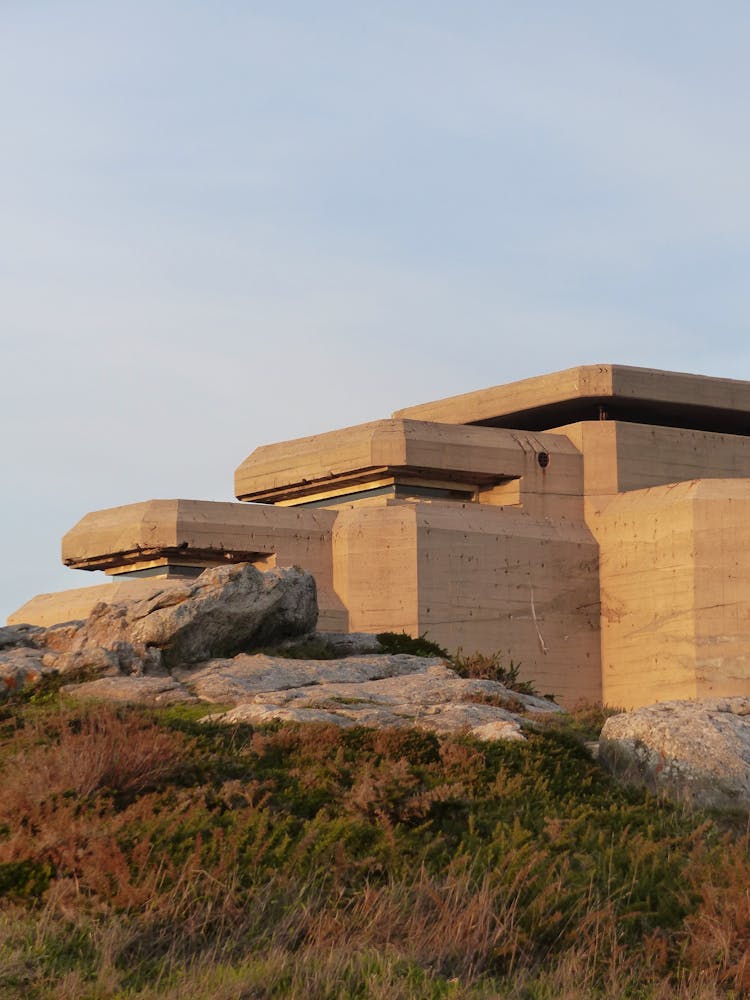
{"x": 593, "y": 392}
{"x": 181, "y": 534}
{"x": 413, "y": 451}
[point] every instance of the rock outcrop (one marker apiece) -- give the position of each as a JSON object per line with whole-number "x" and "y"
{"x": 225, "y": 610}
{"x": 369, "y": 690}
{"x": 190, "y": 644}
{"x": 697, "y": 752}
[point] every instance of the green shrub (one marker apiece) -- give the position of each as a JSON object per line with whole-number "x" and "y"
{"x": 305, "y": 649}
{"x": 584, "y": 721}
{"x": 491, "y": 668}
{"x": 401, "y": 642}
{"x": 27, "y": 879}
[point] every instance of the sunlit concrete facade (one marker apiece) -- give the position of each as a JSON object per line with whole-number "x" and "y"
{"x": 593, "y": 524}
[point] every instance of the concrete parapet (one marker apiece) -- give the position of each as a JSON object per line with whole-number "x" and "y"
{"x": 591, "y": 392}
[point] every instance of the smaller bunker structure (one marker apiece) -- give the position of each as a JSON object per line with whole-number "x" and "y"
{"x": 593, "y": 524}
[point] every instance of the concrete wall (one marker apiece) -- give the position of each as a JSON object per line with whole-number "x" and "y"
{"x": 620, "y": 456}
{"x": 611, "y": 558}
{"x": 480, "y": 578}
{"x": 375, "y": 567}
{"x": 721, "y": 526}
{"x": 675, "y": 584}
{"x": 497, "y": 579}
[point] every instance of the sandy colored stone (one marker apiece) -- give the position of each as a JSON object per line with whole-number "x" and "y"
{"x": 226, "y": 609}
{"x": 696, "y": 752}
{"x": 223, "y": 610}
{"x": 498, "y": 730}
{"x": 376, "y": 691}
{"x": 370, "y": 690}
{"x": 247, "y": 675}
{"x": 406, "y": 683}
{"x": 483, "y": 721}
{"x": 258, "y": 715}
{"x": 19, "y": 667}
{"x": 94, "y": 660}
{"x": 77, "y": 604}
{"x": 138, "y": 690}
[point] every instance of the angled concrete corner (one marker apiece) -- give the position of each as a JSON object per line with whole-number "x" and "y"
{"x": 675, "y": 584}
{"x": 181, "y": 534}
{"x": 410, "y": 459}
{"x": 174, "y": 539}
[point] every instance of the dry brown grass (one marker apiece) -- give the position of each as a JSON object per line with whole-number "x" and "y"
{"x": 82, "y": 752}
{"x": 391, "y": 864}
{"x": 717, "y": 935}
{"x": 52, "y": 771}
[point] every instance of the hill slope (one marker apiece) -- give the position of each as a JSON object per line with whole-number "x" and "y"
{"x": 144, "y": 853}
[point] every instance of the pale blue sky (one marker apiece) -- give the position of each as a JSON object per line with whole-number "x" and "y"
{"x": 232, "y": 223}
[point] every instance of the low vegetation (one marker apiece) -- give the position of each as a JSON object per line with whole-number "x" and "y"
{"x": 492, "y": 667}
{"x": 486, "y": 666}
{"x": 150, "y": 854}
{"x": 402, "y": 642}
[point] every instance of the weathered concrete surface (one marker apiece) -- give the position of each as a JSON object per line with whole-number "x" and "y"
{"x": 696, "y": 752}
{"x": 675, "y": 586}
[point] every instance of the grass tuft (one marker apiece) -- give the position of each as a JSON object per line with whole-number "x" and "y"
{"x": 401, "y": 642}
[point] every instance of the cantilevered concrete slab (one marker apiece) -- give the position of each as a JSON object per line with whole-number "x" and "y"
{"x": 409, "y": 459}
{"x": 188, "y": 534}
{"x": 165, "y": 540}
{"x": 593, "y": 392}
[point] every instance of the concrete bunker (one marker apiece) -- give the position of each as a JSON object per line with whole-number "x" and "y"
{"x": 593, "y": 524}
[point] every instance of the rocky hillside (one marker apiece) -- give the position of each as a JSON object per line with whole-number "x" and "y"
{"x": 185, "y": 815}
{"x": 202, "y": 642}
{"x": 199, "y": 643}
